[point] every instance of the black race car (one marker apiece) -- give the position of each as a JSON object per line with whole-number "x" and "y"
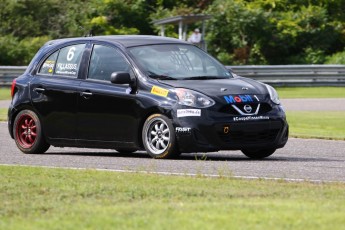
{"x": 131, "y": 93}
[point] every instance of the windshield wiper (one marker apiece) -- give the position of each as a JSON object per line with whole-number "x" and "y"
{"x": 203, "y": 78}
{"x": 160, "y": 77}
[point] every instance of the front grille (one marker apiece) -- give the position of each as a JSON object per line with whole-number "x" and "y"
{"x": 229, "y": 109}
{"x": 251, "y": 133}
{"x": 243, "y": 137}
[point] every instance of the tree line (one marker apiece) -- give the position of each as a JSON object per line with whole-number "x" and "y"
{"x": 239, "y": 32}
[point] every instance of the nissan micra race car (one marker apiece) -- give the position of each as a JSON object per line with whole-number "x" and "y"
{"x": 131, "y": 93}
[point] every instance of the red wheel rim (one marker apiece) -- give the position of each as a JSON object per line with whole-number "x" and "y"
{"x": 26, "y": 131}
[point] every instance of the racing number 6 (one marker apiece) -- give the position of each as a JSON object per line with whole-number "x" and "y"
{"x": 70, "y": 53}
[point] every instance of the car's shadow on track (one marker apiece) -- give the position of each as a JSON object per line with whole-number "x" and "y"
{"x": 193, "y": 156}
{"x": 143, "y": 154}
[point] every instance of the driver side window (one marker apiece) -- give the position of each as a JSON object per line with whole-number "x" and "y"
{"x": 104, "y": 61}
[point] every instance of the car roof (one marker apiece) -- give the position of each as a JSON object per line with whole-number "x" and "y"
{"x": 124, "y": 40}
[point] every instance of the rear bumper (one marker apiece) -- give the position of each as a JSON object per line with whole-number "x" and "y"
{"x": 10, "y": 119}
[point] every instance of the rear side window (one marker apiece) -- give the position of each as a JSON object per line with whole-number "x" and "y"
{"x": 49, "y": 64}
{"x": 68, "y": 61}
{"x": 65, "y": 61}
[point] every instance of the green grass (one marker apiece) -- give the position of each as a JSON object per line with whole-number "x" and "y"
{"x": 5, "y": 93}
{"x": 311, "y": 92}
{"x": 3, "y": 114}
{"x": 38, "y": 198}
{"x": 316, "y": 124}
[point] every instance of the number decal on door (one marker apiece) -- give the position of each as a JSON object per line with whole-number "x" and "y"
{"x": 70, "y": 53}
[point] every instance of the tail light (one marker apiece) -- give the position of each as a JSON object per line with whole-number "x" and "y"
{"x": 13, "y": 87}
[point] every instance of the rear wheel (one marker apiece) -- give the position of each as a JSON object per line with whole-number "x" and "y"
{"x": 27, "y": 132}
{"x": 258, "y": 153}
{"x": 159, "y": 137}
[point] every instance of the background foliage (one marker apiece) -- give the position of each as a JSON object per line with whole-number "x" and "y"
{"x": 240, "y": 32}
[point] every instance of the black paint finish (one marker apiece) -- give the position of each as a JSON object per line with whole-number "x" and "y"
{"x": 76, "y": 111}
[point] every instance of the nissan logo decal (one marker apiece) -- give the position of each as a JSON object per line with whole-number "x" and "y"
{"x": 247, "y": 108}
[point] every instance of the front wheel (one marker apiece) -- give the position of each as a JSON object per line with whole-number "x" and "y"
{"x": 158, "y": 137}
{"x": 28, "y": 134}
{"x": 258, "y": 153}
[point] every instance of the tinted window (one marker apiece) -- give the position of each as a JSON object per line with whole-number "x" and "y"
{"x": 106, "y": 60}
{"x": 68, "y": 61}
{"x": 49, "y": 64}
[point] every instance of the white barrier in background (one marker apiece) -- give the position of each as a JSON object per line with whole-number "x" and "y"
{"x": 294, "y": 75}
{"x": 277, "y": 75}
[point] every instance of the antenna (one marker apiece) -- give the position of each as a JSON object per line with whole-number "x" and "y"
{"x": 81, "y": 28}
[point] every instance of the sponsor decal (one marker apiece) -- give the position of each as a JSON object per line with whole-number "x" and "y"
{"x": 188, "y": 112}
{"x": 238, "y": 99}
{"x": 159, "y": 91}
{"x": 251, "y": 118}
{"x": 185, "y": 130}
{"x": 48, "y": 64}
{"x": 67, "y": 68}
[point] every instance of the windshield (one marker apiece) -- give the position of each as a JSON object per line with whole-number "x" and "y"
{"x": 178, "y": 62}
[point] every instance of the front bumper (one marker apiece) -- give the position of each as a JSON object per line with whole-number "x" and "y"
{"x": 212, "y": 131}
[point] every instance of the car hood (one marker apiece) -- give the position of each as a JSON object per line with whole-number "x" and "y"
{"x": 220, "y": 87}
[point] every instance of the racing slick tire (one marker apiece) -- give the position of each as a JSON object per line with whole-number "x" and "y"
{"x": 158, "y": 137}
{"x": 27, "y": 132}
{"x": 258, "y": 153}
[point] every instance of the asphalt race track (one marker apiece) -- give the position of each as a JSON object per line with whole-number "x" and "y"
{"x": 301, "y": 159}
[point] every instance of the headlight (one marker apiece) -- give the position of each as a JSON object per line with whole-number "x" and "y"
{"x": 273, "y": 94}
{"x": 192, "y": 98}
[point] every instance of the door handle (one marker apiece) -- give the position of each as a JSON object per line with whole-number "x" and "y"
{"x": 86, "y": 94}
{"x": 39, "y": 90}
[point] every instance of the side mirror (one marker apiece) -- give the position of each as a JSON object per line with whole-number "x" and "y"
{"x": 120, "y": 78}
